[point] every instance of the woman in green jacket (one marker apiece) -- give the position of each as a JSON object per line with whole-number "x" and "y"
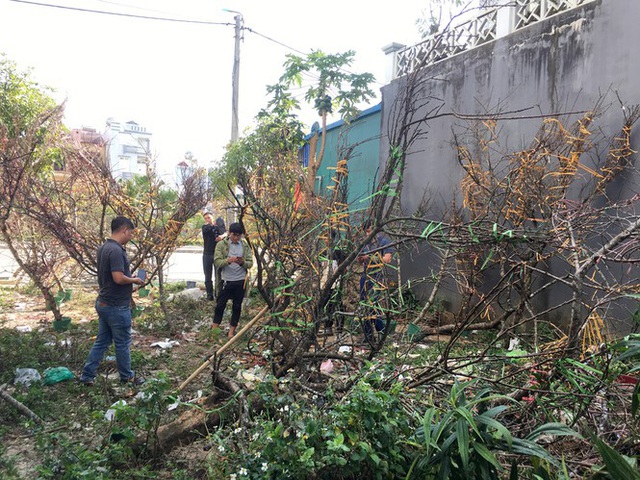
{"x": 233, "y": 259}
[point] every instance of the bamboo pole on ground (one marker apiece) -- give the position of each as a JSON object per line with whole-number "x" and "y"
{"x": 226, "y": 346}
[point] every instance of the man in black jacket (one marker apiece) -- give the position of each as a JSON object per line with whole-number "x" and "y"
{"x": 212, "y": 233}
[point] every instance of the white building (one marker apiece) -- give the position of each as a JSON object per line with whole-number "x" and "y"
{"x": 128, "y": 148}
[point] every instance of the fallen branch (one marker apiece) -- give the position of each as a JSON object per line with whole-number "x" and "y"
{"x": 451, "y": 328}
{"x": 190, "y": 425}
{"x": 236, "y": 391}
{"x": 20, "y": 406}
{"x": 201, "y": 416}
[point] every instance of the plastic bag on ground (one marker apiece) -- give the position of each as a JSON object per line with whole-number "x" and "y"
{"x": 326, "y": 366}
{"x": 57, "y": 374}
{"x": 27, "y": 376}
{"x": 166, "y": 344}
{"x": 111, "y": 413}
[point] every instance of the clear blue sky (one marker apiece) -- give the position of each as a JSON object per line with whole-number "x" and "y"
{"x": 175, "y": 78}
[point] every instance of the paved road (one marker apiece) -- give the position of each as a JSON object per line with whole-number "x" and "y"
{"x": 185, "y": 264}
{"x": 7, "y": 263}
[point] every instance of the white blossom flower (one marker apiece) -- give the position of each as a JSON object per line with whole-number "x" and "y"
{"x": 221, "y": 448}
{"x": 258, "y": 454}
{"x": 237, "y": 430}
{"x": 243, "y": 471}
{"x": 255, "y": 436}
{"x": 286, "y": 408}
{"x": 233, "y": 476}
{"x": 264, "y": 466}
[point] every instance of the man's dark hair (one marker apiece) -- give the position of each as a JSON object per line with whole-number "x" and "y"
{"x": 236, "y": 228}
{"x": 119, "y": 222}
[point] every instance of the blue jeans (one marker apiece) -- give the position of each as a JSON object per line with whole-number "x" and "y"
{"x": 114, "y": 325}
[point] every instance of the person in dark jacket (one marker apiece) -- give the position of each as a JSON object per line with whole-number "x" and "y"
{"x": 212, "y": 233}
{"x": 377, "y": 253}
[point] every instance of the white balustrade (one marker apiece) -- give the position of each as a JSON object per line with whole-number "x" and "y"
{"x": 477, "y": 31}
{"x": 532, "y": 11}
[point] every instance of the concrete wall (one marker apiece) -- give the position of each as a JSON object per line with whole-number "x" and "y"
{"x": 562, "y": 64}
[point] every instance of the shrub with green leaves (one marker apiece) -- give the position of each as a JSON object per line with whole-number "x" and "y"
{"x": 7, "y": 464}
{"x": 113, "y": 453}
{"x": 461, "y": 439}
{"x": 616, "y": 465}
{"x": 142, "y": 418}
{"x": 630, "y": 348}
{"x": 359, "y": 436}
{"x": 66, "y": 458}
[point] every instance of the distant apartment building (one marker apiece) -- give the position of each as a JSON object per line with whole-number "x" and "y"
{"x": 89, "y": 139}
{"x": 128, "y": 148}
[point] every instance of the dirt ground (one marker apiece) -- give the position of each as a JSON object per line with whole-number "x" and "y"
{"x": 28, "y": 310}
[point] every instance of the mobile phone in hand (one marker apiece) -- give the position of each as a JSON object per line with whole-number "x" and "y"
{"x": 142, "y": 274}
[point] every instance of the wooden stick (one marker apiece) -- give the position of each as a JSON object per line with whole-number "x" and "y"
{"x": 226, "y": 346}
{"x": 20, "y": 406}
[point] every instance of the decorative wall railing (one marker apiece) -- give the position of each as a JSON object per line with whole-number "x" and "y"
{"x": 532, "y": 11}
{"x": 442, "y": 45}
{"x": 484, "y": 28}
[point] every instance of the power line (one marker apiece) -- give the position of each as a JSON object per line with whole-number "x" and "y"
{"x": 149, "y": 17}
{"x": 295, "y": 50}
{"x": 274, "y": 41}
{"x": 135, "y": 7}
{"x": 120, "y": 14}
{"x": 166, "y": 19}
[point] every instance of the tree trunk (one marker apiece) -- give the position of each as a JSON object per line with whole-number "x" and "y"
{"x": 33, "y": 276}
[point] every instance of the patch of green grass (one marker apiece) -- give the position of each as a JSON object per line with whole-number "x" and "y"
{"x": 28, "y": 288}
{"x": 39, "y": 350}
{"x": 8, "y": 468}
{"x": 174, "y": 287}
{"x": 6, "y": 297}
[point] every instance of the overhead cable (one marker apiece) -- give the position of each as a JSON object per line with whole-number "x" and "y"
{"x": 120, "y": 14}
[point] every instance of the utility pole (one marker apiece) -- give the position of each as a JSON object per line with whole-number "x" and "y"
{"x": 236, "y": 77}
